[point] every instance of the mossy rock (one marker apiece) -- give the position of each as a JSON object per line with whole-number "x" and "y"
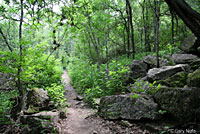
{"x": 195, "y": 65}
{"x": 37, "y": 100}
{"x": 177, "y": 80}
{"x": 194, "y": 79}
{"x": 32, "y": 109}
{"x": 128, "y": 108}
{"x": 181, "y": 103}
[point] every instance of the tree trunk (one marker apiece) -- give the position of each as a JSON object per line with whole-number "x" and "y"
{"x": 128, "y": 30}
{"x": 157, "y": 31}
{"x": 172, "y": 27}
{"x": 146, "y": 19}
{"x": 190, "y": 17}
{"x": 6, "y": 40}
{"x": 131, "y": 25}
{"x": 19, "y": 82}
{"x": 124, "y": 39}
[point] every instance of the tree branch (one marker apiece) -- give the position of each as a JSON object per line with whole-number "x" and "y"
{"x": 6, "y": 40}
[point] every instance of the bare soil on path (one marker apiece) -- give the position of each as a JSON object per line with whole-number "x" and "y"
{"x": 83, "y": 120}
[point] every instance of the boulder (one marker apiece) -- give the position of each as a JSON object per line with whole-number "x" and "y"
{"x": 184, "y": 58}
{"x": 53, "y": 116}
{"x": 128, "y": 108}
{"x": 181, "y": 103}
{"x": 176, "y": 80}
{"x": 151, "y": 61}
{"x": 40, "y": 122}
{"x": 188, "y": 44}
{"x": 195, "y": 64}
{"x": 138, "y": 69}
{"x": 37, "y": 100}
{"x": 165, "y": 72}
{"x": 193, "y": 79}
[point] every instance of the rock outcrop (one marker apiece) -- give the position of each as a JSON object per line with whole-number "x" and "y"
{"x": 126, "y": 107}
{"x": 38, "y": 113}
{"x": 165, "y": 72}
{"x": 177, "y": 94}
{"x": 182, "y": 103}
{"x": 138, "y": 69}
{"x": 188, "y": 44}
{"x": 193, "y": 79}
{"x": 184, "y": 58}
{"x": 176, "y": 80}
{"x": 39, "y": 122}
{"x": 37, "y": 100}
{"x": 151, "y": 61}
{"x": 195, "y": 64}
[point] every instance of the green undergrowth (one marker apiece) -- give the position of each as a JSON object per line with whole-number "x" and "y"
{"x": 93, "y": 83}
{"x": 5, "y": 97}
{"x": 39, "y": 70}
{"x": 6, "y": 105}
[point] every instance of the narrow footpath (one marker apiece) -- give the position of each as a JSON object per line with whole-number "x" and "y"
{"x": 84, "y": 120}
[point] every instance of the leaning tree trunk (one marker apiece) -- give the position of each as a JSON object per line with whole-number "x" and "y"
{"x": 189, "y": 16}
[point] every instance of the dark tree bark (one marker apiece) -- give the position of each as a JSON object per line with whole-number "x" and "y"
{"x": 172, "y": 27}
{"x": 20, "y": 105}
{"x": 190, "y": 17}
{"x": 124, "y": 39}
{"x": 21, "y": 49}
{"x": 131, "y": 26}
{"x": 128, "y": 30}
{"x": 157, "y": 31}
{"x": 147, "y": 31}
{"x": 145, "y": 19}
{"x": 6, "y": 40}
{"x": 93, "y": 40}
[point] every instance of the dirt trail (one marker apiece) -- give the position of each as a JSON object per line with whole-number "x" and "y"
{"x": 83, "y": 120}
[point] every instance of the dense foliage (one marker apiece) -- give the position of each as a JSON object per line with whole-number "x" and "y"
{"x": 94, "y": 83}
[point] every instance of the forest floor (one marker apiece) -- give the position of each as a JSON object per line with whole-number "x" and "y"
{"x": 84, "y": 120}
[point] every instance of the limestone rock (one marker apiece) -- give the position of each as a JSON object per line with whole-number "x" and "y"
{"x": 37, "y": 100}
{"x": 79, "y": 98}
{"x": 182, "y": 103}
{"x": 184, "y": 58}
{"x": 151, "y": 61}
{"x": 125, "y": 107}
{"x": 40, "y": 122}
{"x": 176, "y": 80}
{"x": 138, "y": 69}
{"x": 165, "y": 72}
{"x": 188, "y": 44}
{"x": 194, "y": 79}
{"x": 195, "y": 64}
{"x": 53, "y": 116}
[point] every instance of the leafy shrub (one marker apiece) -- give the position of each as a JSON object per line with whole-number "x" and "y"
{"x": 94, "y": 83}
{"x": 152, "y": 88}
{"x": 56, "y": 94}
{"x": 6, "y": 104}
{"x": 38, "y": 70}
